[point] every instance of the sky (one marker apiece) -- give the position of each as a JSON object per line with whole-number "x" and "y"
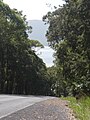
{"x": 46, "y": 54}
{"x": 34, "y": 9}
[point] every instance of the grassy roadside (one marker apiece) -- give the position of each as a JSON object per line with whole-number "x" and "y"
{"x": 81, "y": 108}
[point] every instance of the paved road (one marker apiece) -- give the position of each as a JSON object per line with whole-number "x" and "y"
{"x": 10, "y": 104}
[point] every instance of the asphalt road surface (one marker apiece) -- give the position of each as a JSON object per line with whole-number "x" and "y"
{"x": 10, "y": 104}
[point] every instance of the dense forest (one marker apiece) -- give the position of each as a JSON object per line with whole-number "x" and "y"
{"x": 23, "y": 72}
{"x": 69, "y": 35}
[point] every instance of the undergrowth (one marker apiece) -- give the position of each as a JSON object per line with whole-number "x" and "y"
{"x": 81, "y": 107}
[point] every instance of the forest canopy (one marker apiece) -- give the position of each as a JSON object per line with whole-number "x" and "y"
{"x": 69, "y": 35}
{"x": 21, "y": 70}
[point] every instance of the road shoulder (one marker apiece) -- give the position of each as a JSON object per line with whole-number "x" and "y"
{"x": 52, "y": 109}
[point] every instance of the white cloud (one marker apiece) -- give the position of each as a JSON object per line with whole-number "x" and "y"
{"x": 33, "y": 9}
{"x": 46, "y": 54}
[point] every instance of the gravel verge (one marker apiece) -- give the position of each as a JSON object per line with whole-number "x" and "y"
{"x": 52, "y": 109}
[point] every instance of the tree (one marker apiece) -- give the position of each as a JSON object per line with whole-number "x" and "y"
{"x": 69, "y": 34}
{"x": 21, "y": 70}
{"x": 35, "y": 43}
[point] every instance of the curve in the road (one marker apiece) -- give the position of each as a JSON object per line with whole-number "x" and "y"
{"x": 10, "y": 104}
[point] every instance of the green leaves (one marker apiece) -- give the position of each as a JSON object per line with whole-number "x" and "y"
{"x": 69, "y": 35}
{"x": 35, "y": 43}
{"x": 21, "y": 70}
